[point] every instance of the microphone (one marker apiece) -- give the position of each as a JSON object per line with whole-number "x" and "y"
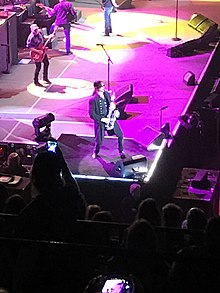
{"x": 163, "y": 108}
{"x": 100, "y": 45}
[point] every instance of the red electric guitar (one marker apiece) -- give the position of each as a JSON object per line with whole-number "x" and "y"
{"x": 43, "y": 47}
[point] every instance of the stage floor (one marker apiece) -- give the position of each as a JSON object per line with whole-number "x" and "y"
{"x": 138, "y": 50}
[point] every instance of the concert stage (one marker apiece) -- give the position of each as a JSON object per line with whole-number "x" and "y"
{"x": 138, "y": 50}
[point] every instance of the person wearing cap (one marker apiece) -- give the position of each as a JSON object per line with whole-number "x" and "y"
{"x": 62, "y": 11}
{"x": 99, "y": 108}
{"x": 35, "y": 42}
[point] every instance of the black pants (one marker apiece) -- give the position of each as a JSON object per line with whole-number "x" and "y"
{"x": 38, "y": 68}
{"x": 100, "y": 132}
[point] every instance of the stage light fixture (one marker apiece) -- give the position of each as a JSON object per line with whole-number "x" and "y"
{"x": 165, "y": 129}
{"x": 44, "y": 122}
{"x": 191, "y": 120}
{"x": 189, "y": 78}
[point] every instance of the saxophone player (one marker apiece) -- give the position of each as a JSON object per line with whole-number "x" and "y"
{"x": 101, "y": 110}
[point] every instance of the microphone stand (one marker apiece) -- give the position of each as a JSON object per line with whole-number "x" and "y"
{"x": 109, "y": 61}
{"x": 177, "y": 12}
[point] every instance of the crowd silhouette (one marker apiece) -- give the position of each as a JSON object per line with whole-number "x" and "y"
{"x": 62, "y": 244}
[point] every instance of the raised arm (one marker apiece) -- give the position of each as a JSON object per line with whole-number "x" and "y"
{"x": 48, "y": 9}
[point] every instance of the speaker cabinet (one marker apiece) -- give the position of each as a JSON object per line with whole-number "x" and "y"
{"x": 188, "y": 48}
{"x": 130, "y": 167}
{"x": 202, "y": 23}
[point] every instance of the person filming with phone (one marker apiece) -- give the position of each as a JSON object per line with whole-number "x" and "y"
{"x": 57, "y": 200}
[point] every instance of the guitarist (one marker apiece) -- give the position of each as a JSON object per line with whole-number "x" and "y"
{"x": 63, "y": 10}
{"x": 35, "y": 42}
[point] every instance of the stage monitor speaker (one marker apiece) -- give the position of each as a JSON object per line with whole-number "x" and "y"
{"x": 124, "y": 4}
{"x": 130, "y": 167}
{"x": 189, "y": 78}
{"x": 201, "y": 23}
{"x": 188, "y": 48}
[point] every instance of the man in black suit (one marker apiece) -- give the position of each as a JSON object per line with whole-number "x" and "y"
{"x": 104, "y": 113}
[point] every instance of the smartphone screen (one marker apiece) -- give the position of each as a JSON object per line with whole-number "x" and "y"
{"x": 51, "y": 146}
{"x": 113, "y": 286}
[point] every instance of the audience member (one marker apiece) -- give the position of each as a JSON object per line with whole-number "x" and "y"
{"x": 173, "y": 240}
{"x": 3, "y": 197}
{"x": 130, "y": 203}
{"x": 102, "y": 216}
{"x": 141, "y": 237}
{"x": 172, "y": 215}
{"x": 196, "y": 219}
{"x": 58, "y": 203}
{"x": 149, "y": 211}
{"x": 101, "y": 235}
{"x": 212, "y": 236}
{"x": 13, "y": 166}
{"x": 142, "y": 258}
{"x": 91, "y": 210}
{"x": 14, "y": 204}
{"x": 51, "y": 215}
{"x": 212, "y": 255}
{"x": 196, "y": 268}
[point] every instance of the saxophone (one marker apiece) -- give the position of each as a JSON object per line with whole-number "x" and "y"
{"x": 113, "y": 114}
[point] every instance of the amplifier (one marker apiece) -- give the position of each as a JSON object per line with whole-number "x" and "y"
{"x": 130, "y": 167}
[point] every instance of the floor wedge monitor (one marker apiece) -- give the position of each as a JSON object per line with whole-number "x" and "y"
{"x": 202, "y": 23}
{"x": 130, "y": 167}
